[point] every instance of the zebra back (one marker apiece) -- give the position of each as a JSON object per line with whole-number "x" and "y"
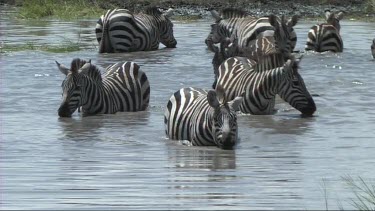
{"x": 122, "y": 88}
{"x": 326, "y": 36}
{"x": 248, "y": 29}
{"x": 119, "y": 30}
{"x": 261, "y": 84}
{"x": 201, "y": 117}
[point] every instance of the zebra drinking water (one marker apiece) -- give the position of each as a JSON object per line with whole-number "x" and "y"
{"x": 119, "y": 30}
{"x": 326, "y": 36}
{"x": 203, "y": 118}
{"x": 247, "y": 29}
{"x": 260, "y": 85}
{"x": 123, "y": 87}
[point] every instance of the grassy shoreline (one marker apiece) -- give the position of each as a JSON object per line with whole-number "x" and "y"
{"x": 191, "y": 9}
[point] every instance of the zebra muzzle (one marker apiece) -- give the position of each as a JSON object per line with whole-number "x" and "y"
{"x": 64, "y": 111}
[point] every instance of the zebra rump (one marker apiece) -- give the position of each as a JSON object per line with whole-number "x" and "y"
{"x": 123, "y": 87}
{"x": 203, "y": 118}
{"x": 119, "y": 30}
{"x": 326, "y": 36}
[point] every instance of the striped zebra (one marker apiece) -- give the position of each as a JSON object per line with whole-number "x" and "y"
{"x": 260, "y": 84}
{"x": 123, "y": 87}
{"x": 119, "y": 30}
{"x": 326, "y": 36}
{"x": 247, "y": 29}
{"x": 272, "y": 50}
{"x": 373, "y": 48}
{"x": 203, "y": 118}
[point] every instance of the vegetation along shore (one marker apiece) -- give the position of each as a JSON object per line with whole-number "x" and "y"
{"x": 192, "y": 9}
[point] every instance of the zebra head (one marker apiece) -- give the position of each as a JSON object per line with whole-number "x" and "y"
{"x": 284, "y": 35}
{"x": 224, "y": 119}
{"x": 334, "y": 19}
{"x": 71, "y": 88}
{"x": 166, "y": 36}
{"x": 293, "y": 89}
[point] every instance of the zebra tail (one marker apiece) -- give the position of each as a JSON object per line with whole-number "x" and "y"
{"x": 105, "y": 44}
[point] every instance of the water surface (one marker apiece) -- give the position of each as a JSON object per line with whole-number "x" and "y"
{"x": 124, "y": 161}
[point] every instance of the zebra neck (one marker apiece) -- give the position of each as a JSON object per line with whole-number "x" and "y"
{"x": 269, "y": 62}
{"x": 92, "y": 96}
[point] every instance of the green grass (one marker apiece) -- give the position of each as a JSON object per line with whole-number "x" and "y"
{"x": 60, "y": 48}
{"x": 364, "y": 193}
{"x": 67, "y": 9}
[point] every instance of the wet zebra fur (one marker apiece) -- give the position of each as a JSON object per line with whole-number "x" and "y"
{"x": 123, "y": 87}
{"x": 203, "y": 118}
{"x": 260, "y": 84}
{"x": 326, "y": 36}
{"x": 247, "y": 29}
{"x": 119, "y": 30}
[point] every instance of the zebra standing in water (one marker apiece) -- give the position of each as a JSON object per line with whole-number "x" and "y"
{"x": 326, "y": 36}
{"x": 272, "y": 51}
{"x": 119, "y": 30}
{"x": 261, "y": 85}
{"x": 247, "y": 29}
{"x": 123, "y": 87}
{"x": 203, "y": 118}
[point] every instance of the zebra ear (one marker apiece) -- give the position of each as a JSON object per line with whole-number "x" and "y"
{"x": 212, "y": 99}
{"x": 215, "y": 15}
{"x": 85, "y": 68}
{"x": 293, "y": 21}
{"x": 235, "y": 103}
{"x": 328, "y": 14}
{"x": 273, "y": 21}
{"x": 340, "y": 15}
{"x": 220, "y": 94}
{"x": 64, "y": 70}
{"x": 169, "y": 13}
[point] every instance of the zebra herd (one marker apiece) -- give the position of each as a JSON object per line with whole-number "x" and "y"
{"x": 252, "y": 65}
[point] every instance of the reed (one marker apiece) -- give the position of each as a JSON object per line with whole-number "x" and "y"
{"x": 364, "y": 193}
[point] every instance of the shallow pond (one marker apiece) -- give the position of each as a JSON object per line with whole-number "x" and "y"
{"x": 124, "y": 161}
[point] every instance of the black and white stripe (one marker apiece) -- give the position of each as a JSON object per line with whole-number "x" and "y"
{"x": 119, "y": 30}
{"x": 123, "y": 87}
{"x": 261, "y": 84}
{"x": 326, "y": 36}
{"x": 203, "y": 118}
{"x": 247, "y": 29}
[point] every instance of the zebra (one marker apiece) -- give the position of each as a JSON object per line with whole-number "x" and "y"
{"x": 246, "y": 28}
{"x": 260, "y": 84}
{"x": 273, "y": 51}
{"x": 119, "y": 30}
{"x": 373, "y": 48}
{"x": 203, "y": 118}
{"x": 123, "y": 87}
{"x": 326, "y": 36}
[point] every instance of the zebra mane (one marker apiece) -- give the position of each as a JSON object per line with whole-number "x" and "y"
{"x": 92, "y": 71}
{"x": 233, "y": 13}
{"x": 153, "y": 11}
{"x": 76, "y": 64}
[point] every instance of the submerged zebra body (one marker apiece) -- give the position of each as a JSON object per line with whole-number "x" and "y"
{"x": 261, "y": 84}
{"x": 326, "y": 36}
{"x": 119, "y": 30}
{"x": 123, "y": 87}
{"x": 234, "y": 23}
{"x": 201, "y": 117}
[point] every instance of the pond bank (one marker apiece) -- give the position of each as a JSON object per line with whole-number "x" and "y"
{"x": 193, "y": 9}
